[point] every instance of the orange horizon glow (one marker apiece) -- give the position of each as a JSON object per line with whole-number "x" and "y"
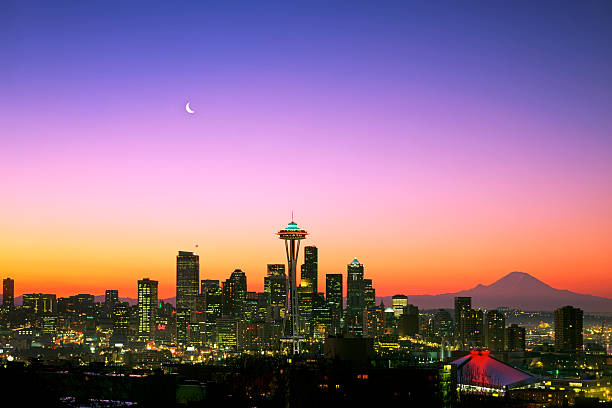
{"x": 401, "y": 135}
{"x": 414, "y": 265}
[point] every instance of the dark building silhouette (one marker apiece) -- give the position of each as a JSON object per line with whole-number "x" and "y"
{"x": 8, "y": 292}
{"x": 234, "y": 294}
{"x": 121, "y": 322}
{"x": 442, "y": 325}
{"x": 355, "y": 297}
{"x": 111, "y": 296}
{"x": 212, "y": 305}
{"x": 514, "y": 338}
{"x": 494, "y": 330}
{"x": 310, "y": 269}
{"x": 408, "y": 322}
{"x": 463, "y": 316}
{"x": 568, "y": 329}
{"x": 275, "y": 285}
{"x": 187, "y": 290}
{"x": 369, "y": 294}
{"x": 333, "y": 298}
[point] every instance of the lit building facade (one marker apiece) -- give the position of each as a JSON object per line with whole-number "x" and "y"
{"x": 147, "y": 308}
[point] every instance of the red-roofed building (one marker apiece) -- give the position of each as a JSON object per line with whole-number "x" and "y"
{"x": 479, "y": 372}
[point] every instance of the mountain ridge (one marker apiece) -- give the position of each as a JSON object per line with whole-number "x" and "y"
{"x": 518, "y": 290}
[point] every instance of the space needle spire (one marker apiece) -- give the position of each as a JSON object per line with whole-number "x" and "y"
{"x": 292, "y": 235}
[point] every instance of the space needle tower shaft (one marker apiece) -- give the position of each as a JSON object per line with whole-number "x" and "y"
{"x": 292, "y": 235}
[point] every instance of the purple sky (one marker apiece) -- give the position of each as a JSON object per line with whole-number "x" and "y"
{"x": 439, "y": 143}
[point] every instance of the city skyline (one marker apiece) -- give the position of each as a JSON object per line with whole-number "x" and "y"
{"x": 296, "y": 204}
{"x": 503, "y": 288}
{"x": 440, "y": 144}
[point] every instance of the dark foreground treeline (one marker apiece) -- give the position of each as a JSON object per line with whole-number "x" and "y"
{"x": 244, "y": 382}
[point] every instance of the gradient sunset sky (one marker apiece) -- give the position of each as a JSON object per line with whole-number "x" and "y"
{"x": 442, "y": 144}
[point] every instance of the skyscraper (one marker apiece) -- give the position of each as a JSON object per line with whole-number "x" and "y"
{"x": 275, "y": 285}
{"x": 473, "y": 326}
{"x": 234, "y": 294}
{"x": 369, "y": 293}
{"x": 292, "y": 235}
{"x": 494, "y": 330}
{"x": 8, "y": 292}
{"x": 355, "y": 297}
{"x": 463, "y": 305}
{"x": 187, "y": 290}
{"x": 187, "y": 279}
{"x": 310, "y": 268}
{"x": 333, "y": 297}
{"x": 121, "y": 322}
{"x": 568, "y": 329}
{"x": 305, "y": 305}
{"x": 212, "y": 300}
{"x": 147, "y": 308}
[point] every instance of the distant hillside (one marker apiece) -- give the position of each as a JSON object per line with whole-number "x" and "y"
{"x": 515, "y": 290}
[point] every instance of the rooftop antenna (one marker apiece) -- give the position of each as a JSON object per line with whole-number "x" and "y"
{"x": 291, "y": 215}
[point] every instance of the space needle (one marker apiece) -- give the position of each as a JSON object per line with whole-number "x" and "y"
{"x": 292, "y": 235}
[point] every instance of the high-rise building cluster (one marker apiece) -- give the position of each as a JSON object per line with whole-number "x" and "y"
{"x": 475, "y": 328}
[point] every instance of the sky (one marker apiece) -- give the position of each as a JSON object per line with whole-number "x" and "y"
{"x": 443, "y": 144}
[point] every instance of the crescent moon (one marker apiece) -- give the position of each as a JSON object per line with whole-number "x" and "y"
{"x": 188, "y": 109}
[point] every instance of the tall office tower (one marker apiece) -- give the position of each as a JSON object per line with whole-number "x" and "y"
{"x": 463, "y": 305}
{"x": 111, "y": 297}
{"x": 494, "y": 330}
{"x": 369, "y": 293}
{"x": 514, "y": 338}
{"x": 321, "y": 317}
{"x": 187, "y": 279}
{"x": 476, "y": 328}
{"x": 355, "y": 297}
{"x": 373, "y": 324}
{"x": 568, "y": 329}
{"x": 212, "y": 300}
{"x": 8, "y": 292}
{"x": 310, "y": 269}
{"x": 234, "y": 295}
{"x": 187, "y": 290}
{"x": 398, "y": 304}
{"x": 305, "y": 305}
{"x": 292, "y": 235}
{"x": 147, "y": 308}
{"x": 121, "y": 322}
{"x": 333, "y": 297}
{"x": 275, "y": 287}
